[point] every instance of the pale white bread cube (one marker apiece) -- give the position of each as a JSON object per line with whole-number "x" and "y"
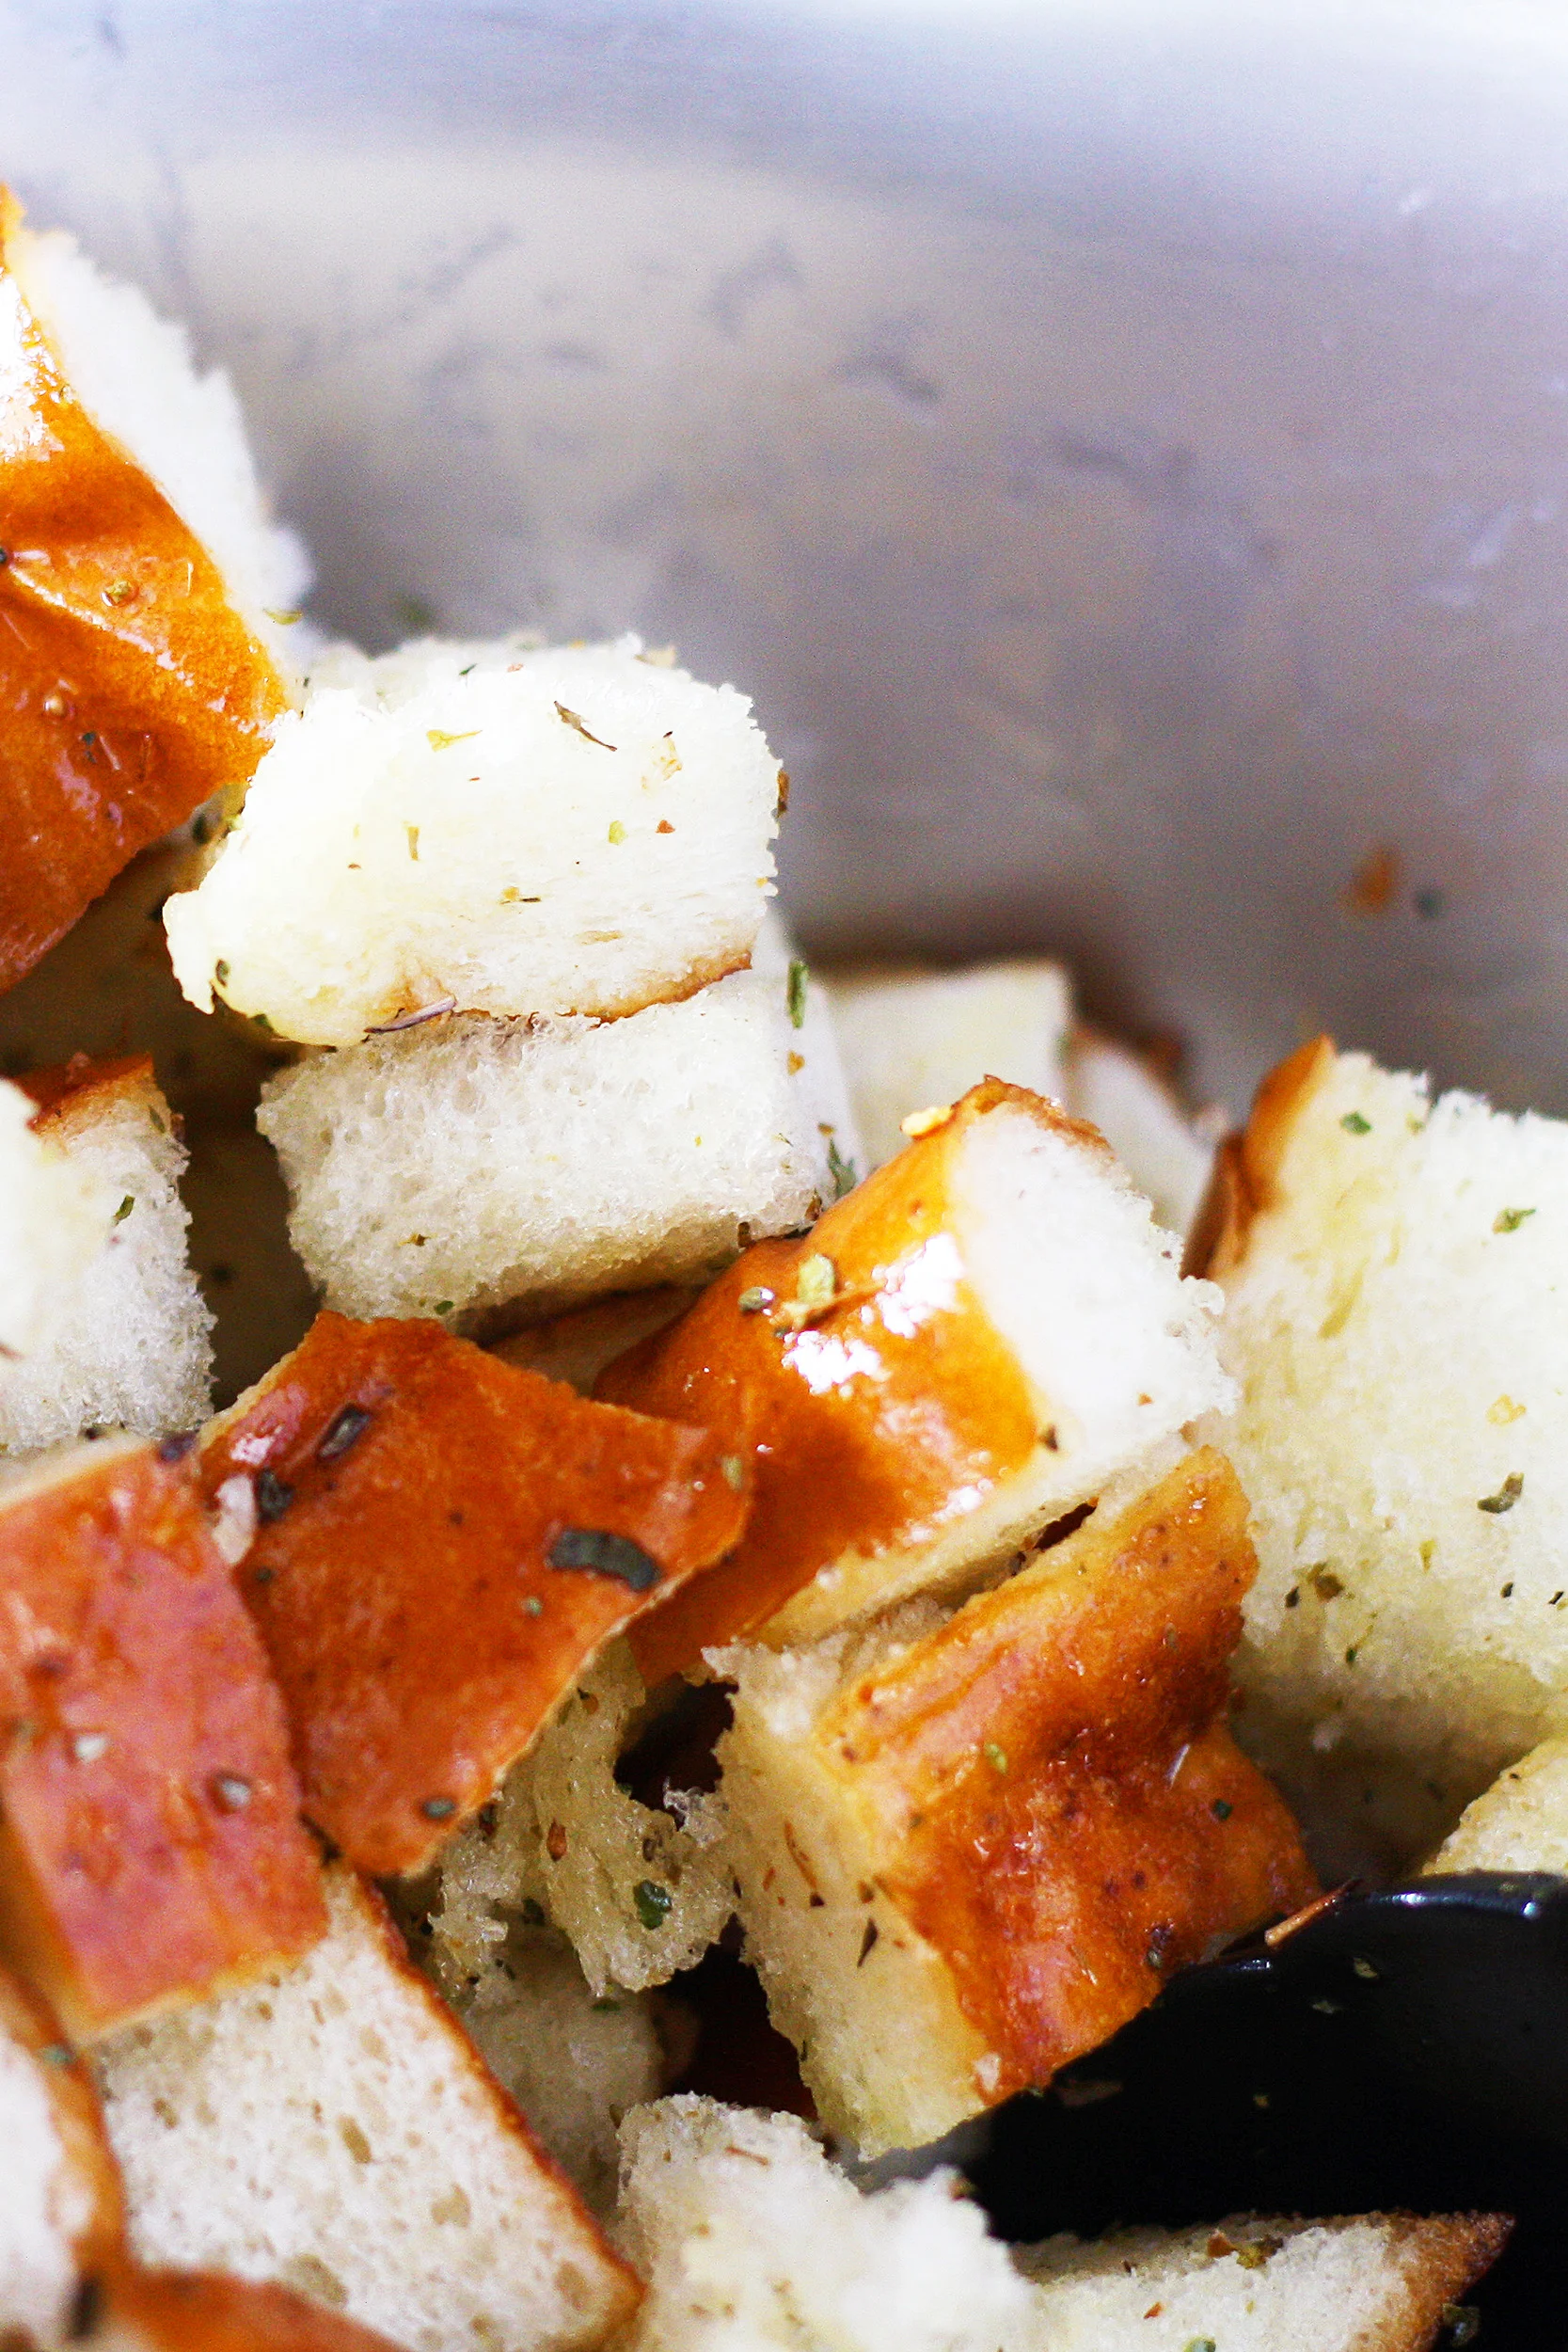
{"x": 334, "y": 2129}
{"x": 909, "y": 1037}
{"x": 750, "y": 2238}
{"x": 640, "y": 1893}
{"x": 1166, "y": 1151}
{"x": 135, "y": 375}
{"x": 824, "y": 1089}
{"x": 477, "y": 1168}
{"x": 130, "y": 1344}
{"x": 52, "y": 1220}
{"x": 1370, "y": 2282}
{"x": 562, "y": 830}
{"x": 1519, "y": 1823}
{"x": 59, "y": 2194}
{"x": 1392, "y": 1265}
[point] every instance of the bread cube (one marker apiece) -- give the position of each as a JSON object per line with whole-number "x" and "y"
{"x": 969, "y": 1849}
{"x": 183, "y": 2310}
{"x": 971, "y": 1345}
{"x": 1389, "y": 1261}
{"x": 333, "y": 2129}
{"x": 60, "y": 2191}
{"x": 577, "y": 1346}
{"x": 500, "y": 1171}
{"x": 439, "y": 1545}
{"x": 909, "y": 1036}
{"x": 135, "y": 676}
{"x": 556, "y": 830}
{"x": 1168, "y": 1153}
{"x": 641, "y": 1892}
{"x": 129, "y": 1346}
{"x": 1519, "y": 1823}
{"x": 748, "y": 2235}
{"x": 151, "y": 1849}
{"x": 53, "y": 1221}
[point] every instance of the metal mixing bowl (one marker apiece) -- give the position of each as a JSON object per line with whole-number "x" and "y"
{"x": 1122, "y": 444}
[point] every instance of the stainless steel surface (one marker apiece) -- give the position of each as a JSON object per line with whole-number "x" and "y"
{"x": 1123, "y": 447}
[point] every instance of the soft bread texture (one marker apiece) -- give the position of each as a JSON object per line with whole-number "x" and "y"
{"x": 131, "y": 1343}
{"x": 749, "y": 2238}
{"x": 1519, "y": 1823}
{"x": 574, "y": 2062}
{"x": 180, "y": 2311}
{"x": 1165, "y": 1152}
{"x": 640, "y": 1893}
{"x": 562, "y": 830}
{"x": 969, "y": 1848}
{"x": 53, "y": 1223}
{"x": 151, "y": 1849}
{"x": 59, "y": 2192}
{"x": 478, "y": 1167}
{"x": 974, "y": 1341}
{"x": 439, "y": 1545}
{"x": 333, "y": 2129}
{"x": 909, "y": 1037}
{"x": 135, "y": 687}
{"x": 1372, "y": 2283}
{"x": 136, "y": 374}
{"x": 821, "y": 1082}
{"x": 1387, "y": 1262}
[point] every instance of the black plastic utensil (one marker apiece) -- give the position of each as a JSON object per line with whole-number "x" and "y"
{"x": 1404, "y": 2048}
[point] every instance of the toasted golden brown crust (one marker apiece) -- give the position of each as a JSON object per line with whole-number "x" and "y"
{"x": 835, "y": 1468}
{"x": 411, "y": 1493}
{"x": 1440, "y": 2256}
{"x": 132, "y": 690}
{"x": 151, "y": 1849}
{"x": 26, "y": 2019}
{"x": 190, "y": 2310}
{"x": 1246, "y": 1166}
{"x": 1066, "y": 1733}
{"x": 81, "y": 1089}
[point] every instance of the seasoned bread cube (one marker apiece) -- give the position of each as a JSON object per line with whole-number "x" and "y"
{"x": 562, "y": 830}
{"x": 821, "y": 1083}
{"x": 1371, "y": 2282}
{"x": 748, "y": 2234}
{"x": 52, "y": 1220}
{"x": 909, "y": 1037}
{"x": 967, "y": 1851}
{"x": 131, "y": 1342}
{"x": 493, "y": 1168}
{"x": 640, "y": 1893}
{"x": 333, "y": 2129}
{"x": 971, "y": 1345}
{"x": 132, "y": 668}
{"x": 1388, "y": 1261}
{"x": 151, "y": 1849}
{"x": 1162, "y": 1149}
{"x": 61, "y": 2215}
{"x": 441, "y": 1543}
{"x": 1519, "y": 1823}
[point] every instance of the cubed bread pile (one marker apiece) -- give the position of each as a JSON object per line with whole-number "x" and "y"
{"x": 847, "y": 1573}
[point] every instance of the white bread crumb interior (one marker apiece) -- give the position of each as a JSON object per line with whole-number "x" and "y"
{"x": 332, "y": 2128}
{"x": 54, "y": 1217}
{"x": 1519, "y": 1823}
{"x": 505, "y": 830}
{"x": 545, "y": 1163}
{"x": 47, "y": 2203}
{"x": 1403, "y": 1432}
{"x": 129, "y": 1345}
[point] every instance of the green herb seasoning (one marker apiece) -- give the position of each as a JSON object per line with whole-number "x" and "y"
{"x": 755, "y": 1300}
{"x": 843, "y": 1171}
{"x": 438, "y": 1808}
{"x": 1506, "y": 1497}
{"x": 346, "y": 1429}
{"x": 794, "y": 992}
{"x": 273, "y": 1497}
{"x": 1353, "y": 1124}
{"x": 124, "y": 1209}
{"x": 1509, "y": 1220}
{"x": 733, "y": 1469}
{"x": 654, "y": 1902}
{"x": 816, "y": 1284}
{"x": 996, "y": 1758}
{"x": 1222, "y": 1809}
